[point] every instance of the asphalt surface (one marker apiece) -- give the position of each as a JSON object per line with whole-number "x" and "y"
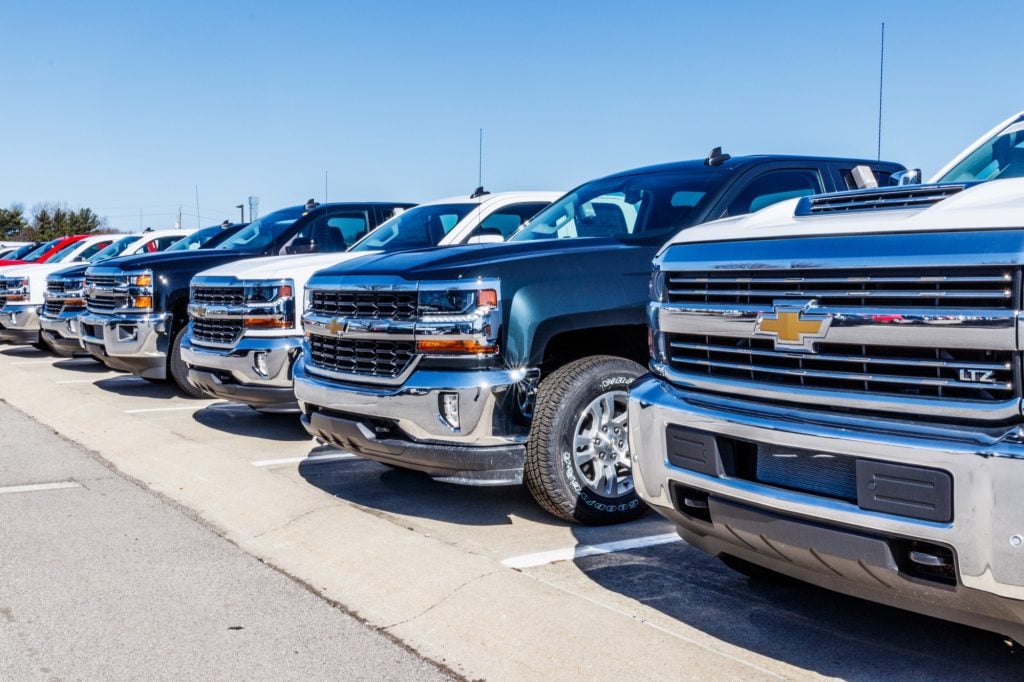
{"x": 479, "y": 580}
{"x": 105, "y": 580}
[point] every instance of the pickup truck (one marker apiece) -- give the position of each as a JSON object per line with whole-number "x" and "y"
{"x": 22, "y": 287}
{"x": 491, "y": 364}
{"x": 137, "y": 314}
{"x": 234, "y": 353}
{"x": 835, "y": 391}
{"x": 64, "y": 298}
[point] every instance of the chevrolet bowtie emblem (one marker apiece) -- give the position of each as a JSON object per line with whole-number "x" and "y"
{"x": 791, "y": 326}
{"x": 336, "y": 327}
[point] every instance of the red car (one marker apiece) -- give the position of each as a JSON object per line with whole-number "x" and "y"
{"x": 46, "y": 251}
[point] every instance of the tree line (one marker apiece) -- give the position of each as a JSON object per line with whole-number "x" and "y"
{"x": 47, "y": 221}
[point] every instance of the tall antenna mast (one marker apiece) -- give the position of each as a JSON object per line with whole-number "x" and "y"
{"x": 325, "y": 187}
{"x": 480, "y": 162}
{"x": 881, "y": 82}
{"x": 199, "y": 222}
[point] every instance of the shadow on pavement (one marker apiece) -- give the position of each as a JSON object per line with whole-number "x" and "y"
{"x": 138, "y": 388}
{"x": 88, "y": 365}
{"x": 27, "y": 352}
{"x": 798, "y": 624}
{"x": 244, "y": 421}
{"x": 411, "y": 493}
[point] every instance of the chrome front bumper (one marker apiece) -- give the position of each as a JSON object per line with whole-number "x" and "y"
{"x": 19, "y": 323}
{"x": 833, "y": 543}
{"x": 62, "y": 330}
{"x": 129, "y": 342}
{"x": 232, "y": 374}
{"x": 403, "y": 425}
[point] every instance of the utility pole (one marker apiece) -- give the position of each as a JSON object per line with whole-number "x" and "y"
{"x": 325, "y": 187}
{"x": 178, "y": 224}
{"x": 881, "y": 80}
{"x": 199, "y": 223}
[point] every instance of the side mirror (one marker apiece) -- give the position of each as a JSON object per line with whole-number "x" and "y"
{"x": 302, "y": 246}
{"x": 906, "y": 177}
{"x": 486, "y": 239}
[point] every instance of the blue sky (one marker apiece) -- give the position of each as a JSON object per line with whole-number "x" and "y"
{"x": 123, "y": 106}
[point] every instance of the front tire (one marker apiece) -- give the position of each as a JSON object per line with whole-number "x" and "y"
{"x": 578, "y": 465}
{"x": 178, "y": 370}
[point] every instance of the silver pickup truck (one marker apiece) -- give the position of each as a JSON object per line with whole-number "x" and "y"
{"x": 835, "y": 391}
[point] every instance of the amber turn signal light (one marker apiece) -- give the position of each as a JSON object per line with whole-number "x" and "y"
{"x": 266, "y": 323}
{"x": 487, "y": 297}
{"x": 454, "y": 346}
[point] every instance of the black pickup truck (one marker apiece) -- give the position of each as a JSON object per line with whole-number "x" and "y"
{"x": 491, "y": 364}
{"x": 137, "y": 306}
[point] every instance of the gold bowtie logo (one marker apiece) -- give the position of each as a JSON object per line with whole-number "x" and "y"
{"x": 792, "y": 327}
{"x": 335, "y": 327}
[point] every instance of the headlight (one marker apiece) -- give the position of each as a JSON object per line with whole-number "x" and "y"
{"x": 260, "y": 293}
{"x": 657, "y": 289}
{"x": 140, "y": 290}
{"x": 456, "y": 301}
{"x": 17, "y": 289}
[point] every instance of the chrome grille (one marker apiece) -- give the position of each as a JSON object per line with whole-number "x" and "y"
{"x": 105, "y": 303}
{"x": 912, "y": 196}
{"x": 957, "y": 288}
{"x": 216, "y": 331}
{"x": 53, "y": 307}
{"x": 105, "y": 281}
{"x": 390, "y": 305}
{"x": 878, "y": 370}
{"x": 361, "y": 356}
{"x": 55, "y": 286}
{"x": 218, "y": 295}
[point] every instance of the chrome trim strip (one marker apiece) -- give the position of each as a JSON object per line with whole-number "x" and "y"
{"x": 774, "y": 393}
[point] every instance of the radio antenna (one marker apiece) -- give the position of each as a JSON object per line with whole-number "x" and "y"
{"x": 881, "y": 82}
{"x": 480, "y": 161}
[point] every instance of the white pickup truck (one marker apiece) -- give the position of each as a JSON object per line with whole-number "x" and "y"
{"x": 245, "y": 331}
{"x": 22, "y": 288}
{"x": 835, "y": 390}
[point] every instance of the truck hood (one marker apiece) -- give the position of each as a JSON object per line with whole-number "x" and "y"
{"x": 278, "y": 267}
{"x": 74, "y": 270}
{"x": 199, "y": 260}
{"x": 989, "y": 205}
{"x": 468, "y": 261}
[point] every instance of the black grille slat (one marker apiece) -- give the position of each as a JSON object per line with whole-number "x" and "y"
{"x": 876, "y": 370}
{"x": 385, "y": 359}
{"x": 962, "y": 288}
{"x": 217, "y": 331}
{"x": 231, "y": 296}
{"x": 376, "y": 305}
{"x": 105, "y": 302}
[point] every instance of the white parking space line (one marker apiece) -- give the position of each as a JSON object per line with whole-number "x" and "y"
{"x": 36, "y": 487}
{"x": 312, "y": 458}
{"x": 108, "y": 379}
{"x": 180, "y": 408}
{"x": 572, "y": 553}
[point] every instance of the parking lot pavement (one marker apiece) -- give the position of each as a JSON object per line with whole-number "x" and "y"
{"x": 104, "y": 580}
{"x": 479, "y": 578}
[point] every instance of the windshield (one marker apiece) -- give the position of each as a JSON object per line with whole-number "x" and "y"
{"x": 1000, "y": 157}
{"x": 415, "y": 228}
{"x": 258, "y": 235}
{"x": 39, "y": 251}
{"x": 20, "y": 252}
{"x": 64, "y": 253}
{"x": 114, "y": 249}
{"x": 642, "y": 205}
{"x": 197, "y": 239}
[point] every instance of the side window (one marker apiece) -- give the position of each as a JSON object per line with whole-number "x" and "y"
{"x": 882, "y": 176}
{"x": 166, "y": 242}
{"x": 775, "y": 186}
{"x": 346, "y": 227}
{"x": 507, "y": 220}
{"x": 92, "y": 250}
